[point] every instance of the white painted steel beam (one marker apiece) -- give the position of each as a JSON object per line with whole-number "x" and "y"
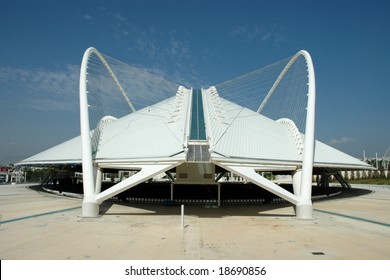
{"x": 187, "y": 128}
{"x": 251, "y": 175}
{"x": 209, "y": 131}
{"x": 147, "y": 172}
{"x": 90, "y": 207}
{"x": 305, "y": 207}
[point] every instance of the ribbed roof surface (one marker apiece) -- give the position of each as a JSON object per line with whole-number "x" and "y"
{"x": 242, "y": 133}
{"x": 67, "y": 152}
{"x": 326, "y": 156}
{"x": 152, "y": 132}
{"x": 162, "y": 130}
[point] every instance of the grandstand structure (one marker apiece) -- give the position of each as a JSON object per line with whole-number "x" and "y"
{"x": 263, "y": 121}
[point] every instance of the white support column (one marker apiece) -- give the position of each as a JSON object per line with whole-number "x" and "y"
{"x": 98, "y": 182}
{"x": 305, "y": 206}
{"x": 90, "y": 207}
{"x": 296, "y": 179}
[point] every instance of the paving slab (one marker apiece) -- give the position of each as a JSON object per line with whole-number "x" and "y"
{"x": 38, "y": 225}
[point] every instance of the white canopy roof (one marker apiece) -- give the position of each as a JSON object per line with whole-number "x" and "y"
{"x": 234, "y": 133}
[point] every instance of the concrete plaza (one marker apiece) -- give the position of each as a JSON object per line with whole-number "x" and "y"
{"x": 36, "y": 225}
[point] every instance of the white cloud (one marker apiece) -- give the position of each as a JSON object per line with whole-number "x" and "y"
{"x": 142, "y": 87}
{"x": 250, "y": 33}
{"x": 238, "y": 31}
{"x": 266, "y": 37}
{"x": 87, "y": 17}
{"x": 342, "y": 140}
{"x": 120, "y": 17}
{"x": 178, "y": 48}
{"x": 159, "y": 50}
{"x": 41, "y": 89}
{"x": 46, "y": 90}
{"x": 260, "y": 32}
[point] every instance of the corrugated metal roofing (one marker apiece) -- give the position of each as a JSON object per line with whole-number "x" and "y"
{"x": 145, "y": 133}
{"x": 327, "y": 156}
{"x": 67, "y": 152}
{"x": 243, "y": 133}
{"x": 234, "y": 133}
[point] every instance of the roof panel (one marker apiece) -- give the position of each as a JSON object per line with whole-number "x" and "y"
{"x": 69, "y": 152}
{"x": 328, "y": 156}
{"x": 254, "y": 136}
{"x": 153, "y": 132}
{"x": 159, "y": 131}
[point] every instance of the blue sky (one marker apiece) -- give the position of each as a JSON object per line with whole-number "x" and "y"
{"x": 193, "y": 43}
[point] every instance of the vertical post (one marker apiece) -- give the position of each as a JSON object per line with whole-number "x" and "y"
{"x": 98, "y": 182}
{"x": 90, "y": 207}
{"x": 296, "y": 179}
{"x": 182, "y": 216}
{"x": 376, "y": 160}
{"x": 171, "y": 191}
{"x": 219, "y": 195}
{"x": 305, "y": 206}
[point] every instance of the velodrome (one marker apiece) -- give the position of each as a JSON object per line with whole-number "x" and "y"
{"x": 37, "y": 225}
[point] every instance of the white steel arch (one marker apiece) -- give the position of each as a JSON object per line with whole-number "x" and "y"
{"x": 303, "y": 53}
{"x": 304, "y": 208}
{"x": 90, "y": 51}
{"x": 240, "y": 140}
{"x": 90, "y": 206}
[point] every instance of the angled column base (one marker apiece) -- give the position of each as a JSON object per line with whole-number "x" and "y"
{"x": 304, "y": 210}
{"x": 90, "y": 210}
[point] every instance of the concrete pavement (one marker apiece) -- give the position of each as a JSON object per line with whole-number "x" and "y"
{"x": 38, "y": 225}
